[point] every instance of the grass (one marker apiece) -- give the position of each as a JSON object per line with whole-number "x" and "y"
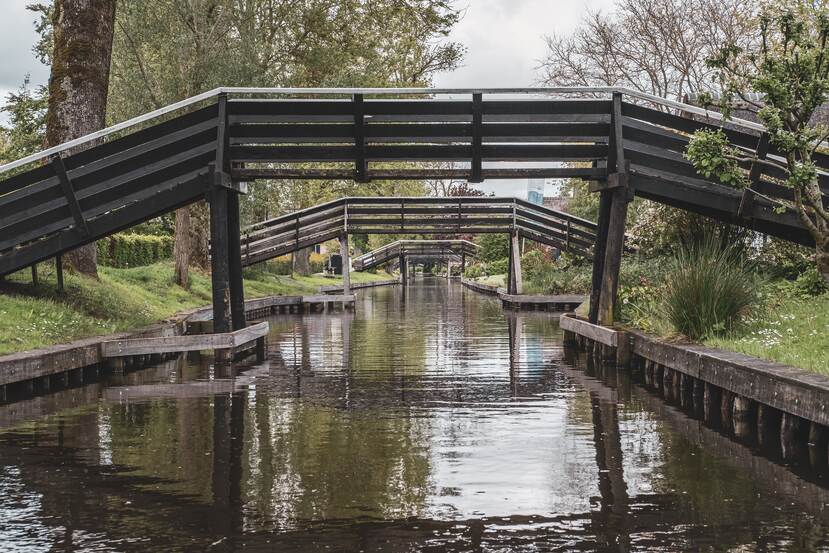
{"x": 794, "y": 331}
{"x": 123, "y": 299}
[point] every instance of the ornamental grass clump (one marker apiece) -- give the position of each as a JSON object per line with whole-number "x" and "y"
{"x": 710, "y": 289}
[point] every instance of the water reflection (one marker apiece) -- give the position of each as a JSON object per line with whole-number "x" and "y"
{"x": 429, "y": 419}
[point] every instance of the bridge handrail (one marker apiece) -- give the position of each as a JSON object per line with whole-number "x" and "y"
{"x": 138, "y": 120}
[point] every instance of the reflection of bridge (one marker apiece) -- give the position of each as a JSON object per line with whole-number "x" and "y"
{"x": 404, "y": 250}
{"x": 113, "y": 179}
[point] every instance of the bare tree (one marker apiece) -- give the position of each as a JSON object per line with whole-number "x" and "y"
{"x": 653, "y": 46}
{"x": 79, "y": 82}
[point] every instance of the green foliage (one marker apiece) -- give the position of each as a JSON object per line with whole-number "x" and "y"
{"x": 493, "y": 247}
{"x": 780, "y": 258}
{"x": 498, "y": 267}
{"x": 789, "y": 67}
{"x": 582, "y": 203}
{"x": 714, "y": 157}
{"x": 474, "y": 271}
{"x": 709, "y": 290}
{"x": 26, "y": 110}
{"x": 134, "y": 250}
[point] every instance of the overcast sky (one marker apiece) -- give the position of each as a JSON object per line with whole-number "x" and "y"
{"x": 504, "y": 40}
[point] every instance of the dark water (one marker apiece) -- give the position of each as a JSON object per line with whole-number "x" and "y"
{"x": 430, "y": 422}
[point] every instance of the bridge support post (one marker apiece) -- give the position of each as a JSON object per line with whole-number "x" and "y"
{"x": 59, "y": 271}
{"x": 346, "y": 264}
{"x": 237, "y": 289}
{"x": 516, "y": 282}
{"x": 219, "y": 259}
{"x": 463, "y": 264}
{"x": 612, "y": 217}
{"x": 613, "y": 255}
{"x": 404, "y": 270}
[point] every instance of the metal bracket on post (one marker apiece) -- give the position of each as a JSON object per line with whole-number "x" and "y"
{"x": 476, "y": 173}
{"x": 361, "y": 165}
{"x": 69, "y": 193}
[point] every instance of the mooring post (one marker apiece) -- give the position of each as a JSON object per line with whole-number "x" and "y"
{"x": 742, "y": 416}
{"x": 34, "y": 275}
{"x": 516, "y": 284}
{"x": 791, "y": 435}
{"x": 237, "y": 288}
{"x": 346, "y": 263}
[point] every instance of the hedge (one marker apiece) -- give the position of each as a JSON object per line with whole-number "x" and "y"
{"x": 134, "y": 250}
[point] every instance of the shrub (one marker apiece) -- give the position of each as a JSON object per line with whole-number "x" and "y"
{"x": 493, "y": 247}
{"x": 474, "y": 271}
{"x": 497, "y": 267}
{"x": 134, "y": 250}
{"x": 709, "y": 290}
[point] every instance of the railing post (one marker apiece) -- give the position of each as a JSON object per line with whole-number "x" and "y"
{"x": 361, "y": 166}
{"x": 476, "y": 171}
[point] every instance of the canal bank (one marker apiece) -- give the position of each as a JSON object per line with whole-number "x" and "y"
{"x": 428, "y": 417}
{"x": 557, "y": 303}
{"x": 752, "y": 398}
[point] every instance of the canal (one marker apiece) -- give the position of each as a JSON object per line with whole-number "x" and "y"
{"x": 426, "y": 420}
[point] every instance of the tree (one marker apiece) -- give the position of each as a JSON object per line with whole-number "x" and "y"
{"x": 79, "y": 82}
{"x": 167, "y": 50}
{"x": 26, "y": 111}
{"x": 790, "y": 69}
{"x": 653, "y": 46}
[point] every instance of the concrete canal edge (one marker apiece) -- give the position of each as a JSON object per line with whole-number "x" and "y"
{"x": 339, "y": 289}
{"x": 561, "y": 302}
{"x": 63, "y": 363}
{"x": 751, "y": 397}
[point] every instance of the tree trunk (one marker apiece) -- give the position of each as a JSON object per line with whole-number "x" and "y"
{"x": 302, "y": 262}
{"x": 181, "y": 247}
{"x": 78, "y": 84}
{"x": 822, "y": 259}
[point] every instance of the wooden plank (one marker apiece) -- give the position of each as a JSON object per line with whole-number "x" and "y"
{"x": 172, "y": 344}
{"x": 789, "y": 389}
{"x": 594, "y": 332}
{"x": 248, "y": 334}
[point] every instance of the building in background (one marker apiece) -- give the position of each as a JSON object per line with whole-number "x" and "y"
{"x": 535, "y": 191}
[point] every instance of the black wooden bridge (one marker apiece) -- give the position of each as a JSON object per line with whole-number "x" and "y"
{"x": 404, "y": 251}
{"x": 458, "y": 216}
{"x": 626, "y": 142}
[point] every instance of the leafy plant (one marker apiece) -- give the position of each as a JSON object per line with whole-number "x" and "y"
{"x": 709, "y": 290}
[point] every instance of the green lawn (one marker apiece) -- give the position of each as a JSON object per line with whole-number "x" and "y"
{"x": 123, "y": 299}
{"x": 793, "y": 331}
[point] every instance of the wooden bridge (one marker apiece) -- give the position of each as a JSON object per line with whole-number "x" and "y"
{"x": 208, "y": 146}
{"x": 459, "y": 216}
{"x": 405, "y": 251}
